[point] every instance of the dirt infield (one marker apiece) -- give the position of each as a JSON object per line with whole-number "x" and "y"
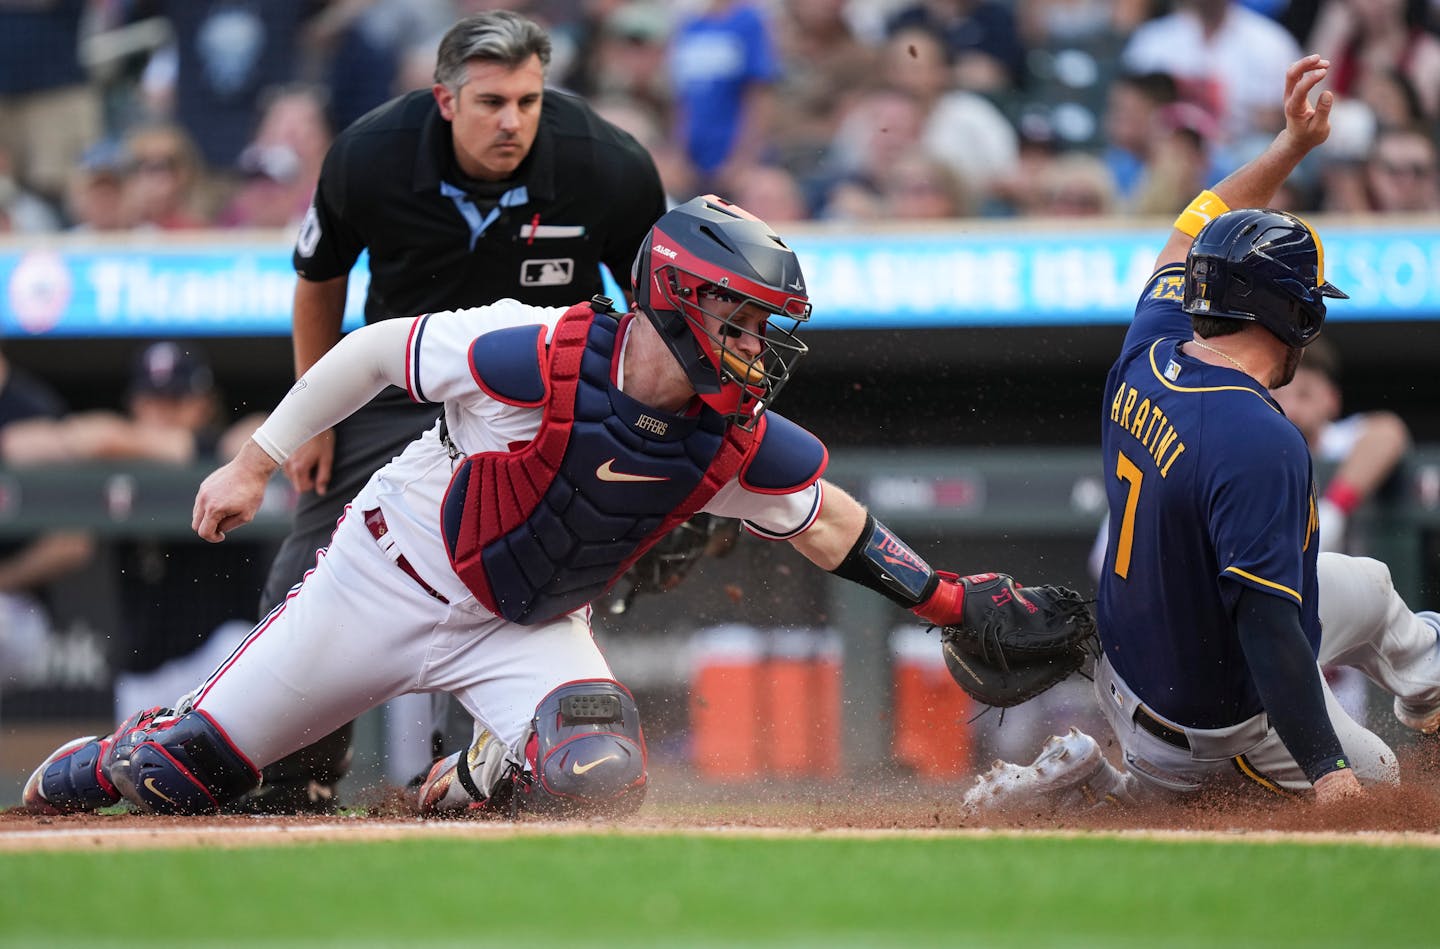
{"x": 1408, "y": 816}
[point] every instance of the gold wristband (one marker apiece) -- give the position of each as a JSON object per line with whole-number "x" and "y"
{"x": 1207, "y": 205}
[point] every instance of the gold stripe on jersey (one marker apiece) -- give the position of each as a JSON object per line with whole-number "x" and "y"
{"x": 1263, "y": 582}
{"x": 1243, "y": 765}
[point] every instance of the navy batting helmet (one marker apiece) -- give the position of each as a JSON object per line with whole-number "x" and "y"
{"x": 1260, "y": 265}
{"x": 709, "y": 247}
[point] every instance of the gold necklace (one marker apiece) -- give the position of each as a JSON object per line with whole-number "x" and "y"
{"x": 1226, "y": 356}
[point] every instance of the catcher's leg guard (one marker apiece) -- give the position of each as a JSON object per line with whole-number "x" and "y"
{"x": 586, "y": 753}
{"x": 71, "y": 779}
{"x": 177, "y": 764}
{"x": 584, "y": 756}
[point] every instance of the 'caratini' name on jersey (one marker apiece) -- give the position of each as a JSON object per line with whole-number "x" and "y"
{"x": 1147, "y": 422}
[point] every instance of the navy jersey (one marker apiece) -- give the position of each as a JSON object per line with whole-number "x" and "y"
{"x": 1211, "y": 490}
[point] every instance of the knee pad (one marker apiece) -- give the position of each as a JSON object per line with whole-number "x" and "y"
{"x": 585, "y": 755}
{"x": 177, "y": 764}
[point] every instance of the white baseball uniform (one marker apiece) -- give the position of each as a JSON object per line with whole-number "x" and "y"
{"x": 383, "y": 613}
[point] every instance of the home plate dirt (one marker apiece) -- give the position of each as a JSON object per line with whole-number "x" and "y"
{"x": 1404, "y": 816}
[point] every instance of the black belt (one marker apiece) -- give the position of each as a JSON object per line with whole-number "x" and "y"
{"x": 1153, "y": 725}
{"x": 375, "y": 521}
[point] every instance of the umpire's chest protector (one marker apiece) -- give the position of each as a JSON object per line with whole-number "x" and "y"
{"x": 543, "y": 530}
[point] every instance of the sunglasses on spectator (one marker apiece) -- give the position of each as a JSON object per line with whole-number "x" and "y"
{"x": 157, "y": 164}
{"x": 1415, "y": 169}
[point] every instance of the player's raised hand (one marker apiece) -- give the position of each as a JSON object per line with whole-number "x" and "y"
{"x": 1308, "y": 124}
{"x": 231, "y": 495}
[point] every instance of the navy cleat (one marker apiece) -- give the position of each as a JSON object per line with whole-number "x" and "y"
{"x": 71, "y": 779}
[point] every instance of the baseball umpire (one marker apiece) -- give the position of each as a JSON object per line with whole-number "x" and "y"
{"x": 488, "y": 186}
{"x": 571, "y": 440}
{"x": 1214, "y": 606}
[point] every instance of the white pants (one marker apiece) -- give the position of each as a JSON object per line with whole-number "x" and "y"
{"x": 359, "y": 631}
{"x": 1364, "y": 624}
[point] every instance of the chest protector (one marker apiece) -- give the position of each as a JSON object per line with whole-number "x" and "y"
{"x": 543, "y": 530}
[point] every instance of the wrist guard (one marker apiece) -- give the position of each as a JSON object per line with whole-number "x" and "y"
{"x": 880, "y": 561}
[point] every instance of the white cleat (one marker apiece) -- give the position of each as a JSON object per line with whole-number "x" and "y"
{"x": 1069, "y": 773}
{"x": 1426, "y": 721}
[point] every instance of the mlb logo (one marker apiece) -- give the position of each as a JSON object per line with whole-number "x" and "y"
{"x": 547, "y": 273}
{"x": 1172, "y": 370}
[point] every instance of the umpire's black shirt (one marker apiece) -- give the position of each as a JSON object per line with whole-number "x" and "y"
{"x": 586, "y": 194}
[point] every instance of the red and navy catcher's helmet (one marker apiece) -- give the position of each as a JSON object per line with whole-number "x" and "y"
{"x": 1260, "y": 265}
{"x": 709, "y": 244}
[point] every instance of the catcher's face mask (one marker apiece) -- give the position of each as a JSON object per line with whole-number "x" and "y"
{"x": 727, "y": 296}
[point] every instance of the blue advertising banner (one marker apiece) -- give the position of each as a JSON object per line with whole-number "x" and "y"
{"x": 991, "y": 277}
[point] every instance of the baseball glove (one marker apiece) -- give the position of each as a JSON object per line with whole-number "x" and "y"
{"x": 1015, "y": 642}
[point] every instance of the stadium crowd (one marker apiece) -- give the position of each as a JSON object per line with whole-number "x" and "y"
{"x": 162, "y": 114}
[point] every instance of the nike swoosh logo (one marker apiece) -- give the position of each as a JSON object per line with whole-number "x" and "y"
{"x": 607, "y": 473}
{"x": 578, "y": 768}
{"x": 150, "y": 786}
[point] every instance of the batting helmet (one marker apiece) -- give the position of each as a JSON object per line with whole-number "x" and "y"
{"x": 708, "y": 244}
{"x": 1260, "y": 265}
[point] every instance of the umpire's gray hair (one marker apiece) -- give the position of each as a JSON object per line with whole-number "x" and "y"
{"x": 497, "y": 36}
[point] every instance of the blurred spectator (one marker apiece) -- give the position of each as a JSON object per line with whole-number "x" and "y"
{"x": 1132, "y": 104}
{"x": 629, "y": 56}
{"x": 21, "y": 212}
{"x": 1178, "y": 165}
{"x": 225, "y": 54}
{"x": 962, "y": 128}
{"x": 920, "y": 187}
{"x": 1076, "y": 184}
{"x": 1225, "y": 57}
{"x": 1364, "y": 449}
{"x": 723, "y": 66}
{"x": 162, "y": 189}
{"x": 28, "y": 565}
{"x": 769, "y": 192}
{"x": 1049, "y": 23}
{"x": 355, "y": 48}
{"x": 281, "y": 164}
{"x": 49, "y": 112}
{"x": 677, "y": 175}
{"x": 95, "y": 193}
{"x": 1401, "y": 173}
{"x": 1018, "y": 191}
{"x": 1391, "y": 96}
{"x": 981, "y": 41}
{"x": 882, "y": 124}
{"x": 826, "y": 66}
{"x": 1366, "y": 37}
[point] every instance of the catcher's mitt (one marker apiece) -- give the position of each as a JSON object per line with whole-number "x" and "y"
{"x": 1015, "y": 642}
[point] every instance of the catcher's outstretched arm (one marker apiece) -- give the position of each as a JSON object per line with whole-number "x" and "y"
{"x": 849, "y": 542}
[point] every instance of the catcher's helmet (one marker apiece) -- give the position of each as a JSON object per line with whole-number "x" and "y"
{"x": 1260, "y": 265}
{"x": 708, "y": 244}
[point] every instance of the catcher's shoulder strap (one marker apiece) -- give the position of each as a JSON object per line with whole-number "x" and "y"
{"x": 785, "y": 459}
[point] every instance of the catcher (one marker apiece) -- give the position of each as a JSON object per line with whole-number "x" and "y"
{"x": 572, "y": 441}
